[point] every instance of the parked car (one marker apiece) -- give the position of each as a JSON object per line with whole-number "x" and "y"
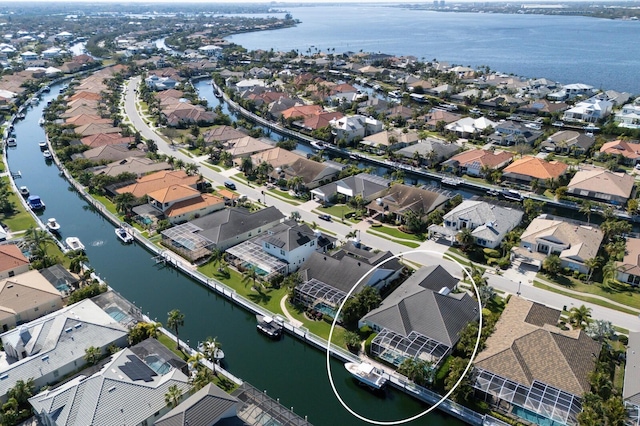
{"x": 325, "y": 217}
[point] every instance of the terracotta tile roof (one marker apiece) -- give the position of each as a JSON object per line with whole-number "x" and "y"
{"x": 171, "y": 93}
{"x": 627, "y": 149}
{"x": 156, "y": 181}
{"x": 321, "y": 120}
{"x": 80, "y": 109}
{"x": 83, "y": 119}
{"x": 96, "y": 128}
{"x": 537, "y": 168}
{"x": 85, "y": 95}
{"x": 302, "y": 111}
{"x": 11, "y": 257}
{"x": 277, "y": 157}
{"x": 173, "y": 193}
{"x": 102, "y": 139}
{"x": 524, "y": 352}
{"x": 194, "y": 204}
{"x": 222, "y": 134}
{"x": 631, "y": 262}
{"x": 482, "y": 157}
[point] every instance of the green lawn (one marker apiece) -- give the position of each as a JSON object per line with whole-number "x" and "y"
{"x": 617, "y": 292}
{"x": 284, "y": 196}
{"x": 20, "y": 219}
{"x": 336, "y": 210}
{"x": 403, "y": 242}
{"x": 106, "y": 202}
{"x": 320, "y": 328}
{"x": 212, "y": 167}
{"x": 171, "y": 344}
{"x": 267, "y": 298}
{"x": 397, "y": 233}
{"x": 584, "y": 298}
{"x": 186, "y": 152}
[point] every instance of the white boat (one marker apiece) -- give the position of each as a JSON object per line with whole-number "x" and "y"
{"x": 74, "y": 243}
{"x": 268, "y": 326}
{"x": 511, "y": 195}
{"x": 53, "y": 225}
{"x": 12, "y": 142}
{"x": 367, "y": 374}
{"x": 124, "y": 235}
{"x": 42, "y": 145}
{"x": 24, "y": 191}
{"x": 453, "y": 181}
{"x": 41, "y": 121}
{"x": 47, "y": 154}
{"x": 218, "y": 354}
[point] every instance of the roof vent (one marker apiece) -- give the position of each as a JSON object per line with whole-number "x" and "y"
{"x": 112, "y": 388}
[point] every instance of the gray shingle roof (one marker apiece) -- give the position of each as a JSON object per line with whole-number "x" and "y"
{"x": 288, "y": 235}
{"x": 225, "y": 224}
{"x": 631, "y": 390}
{"x": 489, "y": 221}
{"x": 108, "y": 397}
{"x": 203, "y": 408}
{"x": 418, "y": 306}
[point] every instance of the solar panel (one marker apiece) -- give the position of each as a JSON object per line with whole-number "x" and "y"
{"x": 136, "y": 369}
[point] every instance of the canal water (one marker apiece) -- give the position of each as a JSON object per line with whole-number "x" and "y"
{"x": 288, "y": 370}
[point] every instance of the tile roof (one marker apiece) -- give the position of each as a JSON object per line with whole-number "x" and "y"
{"x": 481, "y": 157}
{"x": 602, "y": 181}
{"x": 222, "y": 225}
{"x": 200, "y": 202}
{"x": 110, "y": 394}
{"x": 383, "y": 138}
{"x": 631, "y": 262}
{"x": 102, "y": 139}
{"x": 309, "y": 170}
{"x": 631, "y": 389}
{"x": 157, "y": 181}
{"x": 96, "y": 128}
{"x": 277, "y": 157}
{"x": 222, "y": 134}
{"x": 25, "y": 292}
{"x": 203, "y": 408}
{"x": 173, "y": 193}
{"x": 136, "y": 165}
{"x": 400, "y": 198}
{"x": 628, "y": 149}
{"x": 417, "y": 305}
{"x": 110, "y": 153}
{"x": 245, "y": 146}
{"x": 537, "y": 168}
{"x": 524, "y": 352}
{"x": 11, "y": 257}
{"x": 82, "y": 119}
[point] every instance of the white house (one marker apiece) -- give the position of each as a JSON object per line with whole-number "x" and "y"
{"x": 468, "y": 126}
{"x": 52, "y": 346}
{"x": 210, "y": 50}
{"x": 247, "y": 84}
{"x": 354, "y": 126}
{"x": 629, "y": 116}
{"x": 29, "y": 56}
{"x": 52, "y": 52}
{"x": 155, "y": 82}
{"x": 590, "y": 110}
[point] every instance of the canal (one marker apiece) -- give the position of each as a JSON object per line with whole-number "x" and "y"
{"x": 288, "y": 370}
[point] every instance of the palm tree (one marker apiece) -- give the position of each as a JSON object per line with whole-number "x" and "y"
{"x": 37, "y": 240}
{"x": 580, "y": 317}
{"x": 194, "y": 360}
{"x": 173, "y": 395}
{"x": 486, "y": 293}
{"x": 246, "y": 166}
{"x": 250, "y": 275}
{"x": 77, "y": 259}
{"x": 592, "y": 264}
{"x": 295, "y": 183}
{"x": 585, "y": 208}
{"x": 191, "y": 169}
{"x": 175, "y": 320}
{"x": 552, "y": 264}
{"x": 123, "y": 202}
{"x": 609, "y": 271}
{"x": 92, "y": 355}
{"x": 465, "y": 238}
{"x": 216, "y": 257}
{"x": 200, "y": 379}
{"x": 209, "y": 348}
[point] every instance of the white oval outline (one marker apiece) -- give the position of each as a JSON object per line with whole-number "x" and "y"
{"x": 433, "y": 407}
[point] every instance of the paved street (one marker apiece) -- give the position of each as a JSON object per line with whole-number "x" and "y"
{"x": 508, "y": 283}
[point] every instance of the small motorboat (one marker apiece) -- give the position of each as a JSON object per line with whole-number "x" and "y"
{"x": 367, "y": 374}
{"x": 74, "y": 243}
{"x": 218, "y": 354}
{"x": 47, "y": 154}
{"x": 24, "y": 191}
{"x": 124, "y": 235}
{"x": 53, "y": 225}
{"x": 35, "y": 202}
{"x": 42, "y": 145}
{"x": 12, "y": 142}
{"x": 269, "y": 327}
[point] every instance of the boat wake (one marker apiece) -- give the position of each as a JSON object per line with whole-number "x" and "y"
{"x": 97, "y": 243}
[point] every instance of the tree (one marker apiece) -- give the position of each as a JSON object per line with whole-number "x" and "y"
{"x": 295, "y": 183}
{"x": 420, "y": 372}
{"x": 465, "y": 238}
{"x": 22, "y": 391}
{"x": 552, "y": 264}
{"x": 609, "y": 271}
{"x": 194, "y": 360}
{"x": 592, "y": 263}
{"x": 532, "y": 208}
{"x": 250, "y": 275}
{"x": 464, "y": 391}
{"x": 632, "y": 206}
{"x": 352, "y": 340}
{"x": 201, "y": 378}
{"x": 92, "y": 355}
{"x": 585, "y": 208}
{"x": 600, "y": 330}
{"x": 173, "y": 395}
{"x": 246, "y": 165}
{"x": 359, "y": 305}
{"x": 175, "y": 320}
{"x": 486, "y": 293}
{"x": 615, "y": 411}
{"x": 37, "y": 240}
{"x": 123, "y": 202}
{"x": 580, "y": 317}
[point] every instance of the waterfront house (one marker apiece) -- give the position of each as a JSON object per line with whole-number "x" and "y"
{"x": 96, "y": 128}
{"x": 474, "y": 162}
{"x": 573, "y": 243}
{"x": 206, "y": 407}
{"x": 155, "y": 82}
{"x": 281, "y": 249}
{"x": 542, "y": 107}
{"x": 568, "y": 142}
{"x": 245, "y": 146}
{"x": 438, "y": 116}
{"x": 526, "y": 169}
{"x": 512, "y": 133}
{"x": 429, "y": 152}
{"x": 83, "y": 119}
{"x": 26, "y": 297}
{"x": 138, "y": 166}
{"x": 50, "y": 347}
{"x": 468, "y": 126}
{"x": 422, "y": 319}
{"x": 109, "y": 153}
{"x": 629, "y": 116}
{"x": 210, "y": 50}
{"x": 628, "y": 271}
{"x": 157, "y": 181}
{"x": 372, "y": 106}
{"x": 327, "y": 278}
{"x": 400, "y": 199}
{"x": 532, "y": 368}
{"x": 389, "y": 140}
{"x": 12, "y": 261}
{"x": 588, "y": 111}
{"x": 598, "y": 184}
{"x": 488, "y": 223}
{"x": 366, "y": 185}
{"x": 128, "y": 387}
{"x": 179, "y": 203}
{"x": 276, "y": 157}
{"x": 571, "y": 91}
{"x": 312, "y": 173}
{"x": 196, "y": 239}
{"x": 221, "y": 134}
{"x": 355, "y": 126}
{"x": 630, "y": 150}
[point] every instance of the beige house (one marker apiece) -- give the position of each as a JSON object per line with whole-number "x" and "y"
{"x": 391, "y": 139}
{"x": 26, "y": 297}
{"x": 573, "y": 243}
{"x": 277, "y": 157}
{"x": 180, "y": 203}
{"x": 602, "y": 185}
{"x": 628, "y": 271}
{"x": 12, "y": 261}
{"x": 245, "y": 146}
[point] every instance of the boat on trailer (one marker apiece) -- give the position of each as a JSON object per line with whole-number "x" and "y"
{"x": 367, "y": 374}
{"x": 124, "y": 235}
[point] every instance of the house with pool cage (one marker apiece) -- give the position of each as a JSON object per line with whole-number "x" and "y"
{"x": 422, "y": 318}
{"x": 328, "y": 278}
{"x": 533, "y": 369}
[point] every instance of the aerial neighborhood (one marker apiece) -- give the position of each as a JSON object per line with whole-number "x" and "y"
{"x": 428, "y": 216}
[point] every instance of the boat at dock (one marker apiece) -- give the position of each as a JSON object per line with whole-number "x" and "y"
{"x": 35, "y": 202}
{"x": 74, "y": 243}
{"x": 24, "y": 191}
{"x": 268, "y": 326}
{"x": 42, "y": 145}
{"x": 41, "y": 121}
{"x": 12, "y": 142}
{"x": 47, "y": 154}
{"x": 367, "y": 374}
{"x": 218, "y": 354}
{"x": 53, "y": 225}
{"x": 511, "y": 195}
{"x": 452, "y": 181}
{"x": 124, "y": 235}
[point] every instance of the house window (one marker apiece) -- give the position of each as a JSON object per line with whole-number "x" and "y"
{"x": 543, "y": 248}
{"x": 282, "y": 252}
{"x": 481, "y": 242}
{"x": 55, "y": 373}
{"x": 12, "y": 273}
{"x": 267, "y": 245}
{"x": 313, "y": 243}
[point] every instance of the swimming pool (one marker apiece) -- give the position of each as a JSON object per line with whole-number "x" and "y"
{"x": 157, "y": 365}
{"x": 259, "y": 271}
{"x": 325, "y": 309}
{"x": 117, "y": 314}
